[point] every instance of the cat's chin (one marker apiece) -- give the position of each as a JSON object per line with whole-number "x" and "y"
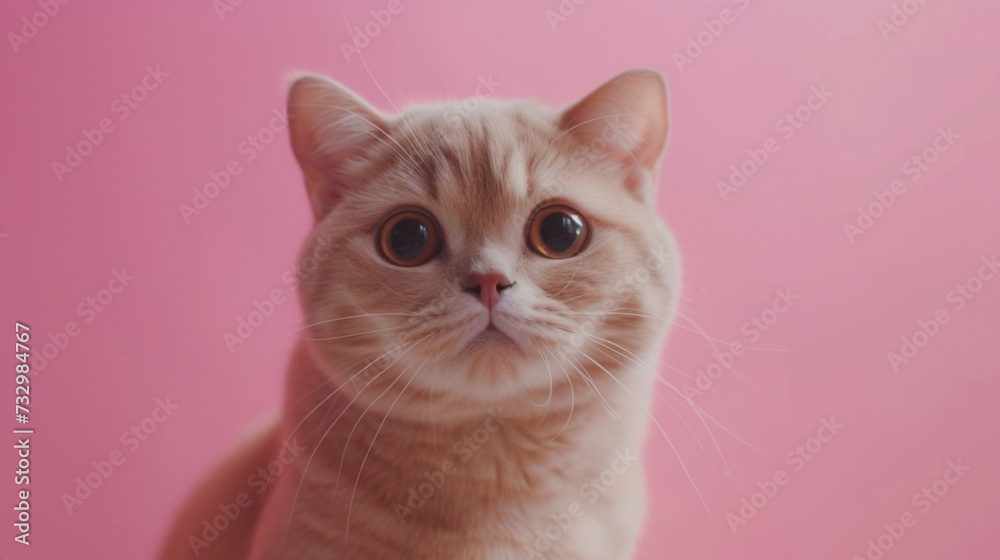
{"x": 493, "y": 337}
{"x": 493, "y": 334}
{"x": 492, "y": 354}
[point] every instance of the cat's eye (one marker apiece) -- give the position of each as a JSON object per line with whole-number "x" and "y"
{"x": 409, "y": 238}
{"x": 557, "y": 232}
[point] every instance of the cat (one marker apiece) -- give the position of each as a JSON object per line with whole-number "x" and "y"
{"x": 475, "y": 373}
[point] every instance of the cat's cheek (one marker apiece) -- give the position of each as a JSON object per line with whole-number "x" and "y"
{"x": 463, "y": 451}
{"x": 623, "y": 290}
{"x": 589, "y": 493}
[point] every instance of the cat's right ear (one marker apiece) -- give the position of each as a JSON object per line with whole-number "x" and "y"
{"x": 331, "y": 128}
{"x": 628, "y": 118}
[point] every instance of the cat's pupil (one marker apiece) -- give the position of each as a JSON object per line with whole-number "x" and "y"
{"x": 409, "y": 239}
{"x": 559, "y": 231}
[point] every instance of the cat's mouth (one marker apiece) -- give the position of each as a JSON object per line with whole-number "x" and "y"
{"x": 492, "y": 334}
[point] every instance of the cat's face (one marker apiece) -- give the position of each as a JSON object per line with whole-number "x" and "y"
{"x": 479, "y": 256}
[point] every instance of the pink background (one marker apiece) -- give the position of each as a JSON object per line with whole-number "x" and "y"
{"x": 162, "y": 336}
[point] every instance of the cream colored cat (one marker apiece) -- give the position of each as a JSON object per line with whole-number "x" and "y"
{"x": 473, "y": 380}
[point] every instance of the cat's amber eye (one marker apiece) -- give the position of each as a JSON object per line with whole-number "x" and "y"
{"x": 409, "y": 238}
{"x": 557, "y": 232}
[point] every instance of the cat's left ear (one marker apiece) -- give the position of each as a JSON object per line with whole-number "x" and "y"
{"x": 627, "y": 118}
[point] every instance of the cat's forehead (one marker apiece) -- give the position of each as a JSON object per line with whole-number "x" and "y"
{"x": 482, "y": 167}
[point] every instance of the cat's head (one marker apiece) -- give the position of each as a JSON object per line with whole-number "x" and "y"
{"x": 475, "y": 256}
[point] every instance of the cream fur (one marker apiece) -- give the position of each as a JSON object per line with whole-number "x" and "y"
{"x": 394, "y": 371}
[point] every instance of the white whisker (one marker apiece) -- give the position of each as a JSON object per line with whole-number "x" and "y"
{"x": 352, "y": 335}
{"x": 572, "y": 397}
{"x": 662, "y": 432}
{"x": 698, "y": 410}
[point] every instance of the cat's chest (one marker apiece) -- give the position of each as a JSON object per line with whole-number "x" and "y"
{"x": 498, "y": 497}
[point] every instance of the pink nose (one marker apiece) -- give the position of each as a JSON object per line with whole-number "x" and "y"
{"x": 487, "y": 287}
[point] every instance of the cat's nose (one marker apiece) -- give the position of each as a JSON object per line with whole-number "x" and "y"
{"x": 487, "y": 287}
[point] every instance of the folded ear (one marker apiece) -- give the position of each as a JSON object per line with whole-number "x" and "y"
{"x": 331, "y": 129}
{"x": 627, "y": 119}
